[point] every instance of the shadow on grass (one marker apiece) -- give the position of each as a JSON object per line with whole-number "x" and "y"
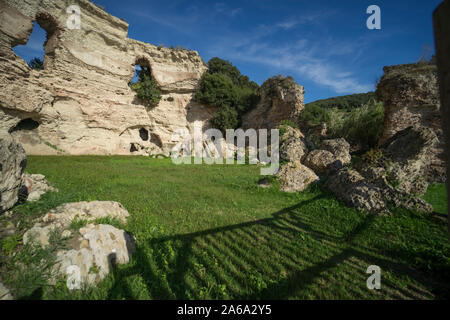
{"x": 281, "y": 257}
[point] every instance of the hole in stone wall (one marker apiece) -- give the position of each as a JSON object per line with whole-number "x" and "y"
{"x": 25, "y": 125}
{"x": 41, "y": 43}
{"x": 133, "y": 148}
{"x": 141, "y": 67}
{"x": 33, "y": 52}
{"x": 143, "y": 133}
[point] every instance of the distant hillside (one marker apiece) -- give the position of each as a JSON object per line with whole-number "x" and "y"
{"x": 345, "y": 102}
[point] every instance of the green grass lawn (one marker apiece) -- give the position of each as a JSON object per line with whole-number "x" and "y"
{"x": 209, "y": 232}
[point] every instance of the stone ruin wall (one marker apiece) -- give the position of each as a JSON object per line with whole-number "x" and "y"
{"x": 81, "y": 103}
{"x": 410, "y": 93}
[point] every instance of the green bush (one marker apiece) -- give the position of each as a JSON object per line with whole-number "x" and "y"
{"x": 225, "y": 118}
{"x": 363, "y": 125}
{"x": 284, "y": 124}
{"x": 217, "y": 90}
{"x": 314, "y": 114}
{"x": 147, "y": 89}
{"x": 225, "y": 88}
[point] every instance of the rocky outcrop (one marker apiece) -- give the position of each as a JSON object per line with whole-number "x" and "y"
{"x": 292, "y": 145}
{"x": 91, "y": 251}
{"x": 371, "y": 192}
{"x": 12, "y": 165}
{"x": 395, "y": 178}
{"x": 295, "y": 177}
{"x": 281, "y": 99}
{"x": 411, "y": 98}
{"x": 409, "y": 154}
{"x": 35, "y": 186}
{"x": 340, "y": 148}
{"x": 81, "y": 102}
{"x": 322, "y": 162}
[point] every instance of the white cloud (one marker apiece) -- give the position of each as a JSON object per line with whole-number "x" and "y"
{"x": 314, "y": 60}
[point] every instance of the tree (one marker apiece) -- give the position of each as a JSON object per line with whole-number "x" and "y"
{"x": 224, "y": 87}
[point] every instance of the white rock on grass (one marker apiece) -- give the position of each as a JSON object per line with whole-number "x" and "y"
{"x": 295, "y": 177}
{"x": 62, "y": 216}
{"x": 36, "y": 185}
{"x": 93, "y": 255}
{"x": 94, "y": 250}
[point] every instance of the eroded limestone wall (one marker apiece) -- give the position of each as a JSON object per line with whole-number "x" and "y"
{"x": 410, "y": 94}
{"x": 81, "y": 102}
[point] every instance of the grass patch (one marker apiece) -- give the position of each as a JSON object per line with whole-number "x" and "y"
{"x": 209, "y": 232}
{"x": 437, "y": 196}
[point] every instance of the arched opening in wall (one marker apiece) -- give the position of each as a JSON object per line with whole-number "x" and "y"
{"x": 144, "y": 84}
{"x": 41, "y": 43}
{"x": 25, "y": 125}
{"x": 142, "y": 69}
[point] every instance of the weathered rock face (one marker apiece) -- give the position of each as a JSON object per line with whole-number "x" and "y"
{"x": 292, "y": 145}
{"x": 371, "y": 192}
{"x": 281, "y": 99}
{"x": 340, "y": 148}
{"x": 295, "y": 177}
{"x": 12, "y": 165}
{"x": 411, "y": 98}
{"x": 322, "y": 162}
{"x": 410, "y": 152}
{"x": 333, "y": 155}
{"x": 93, "y": 250}
{"x": 81, "y": 103}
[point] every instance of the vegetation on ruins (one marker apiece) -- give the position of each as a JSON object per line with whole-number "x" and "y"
{"x": 147, "y": 89}
{"x": 225, "y": 88}
{"x": 357, "y": 118}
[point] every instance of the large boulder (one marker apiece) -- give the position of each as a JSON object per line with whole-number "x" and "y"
{"x": 12, "y": 165}
{"x": 369, "y": 190}
{"x": 91, "y": 251}
{"x": 322, "y": 162}
{"x": 410, "y": 95}
{"x": 61, "y": 217}
{"x": 340, "y": 148}
{"x": 351, "y": 187}
{"x": 410, "y": 152}
{"x": 292, "y": 146}
{"x": 295, "y": 177}
{"x": 281, "y": 99}
{"x": 93, "y": 254}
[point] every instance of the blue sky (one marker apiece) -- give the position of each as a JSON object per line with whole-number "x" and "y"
{"x": 324, "y": 45}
